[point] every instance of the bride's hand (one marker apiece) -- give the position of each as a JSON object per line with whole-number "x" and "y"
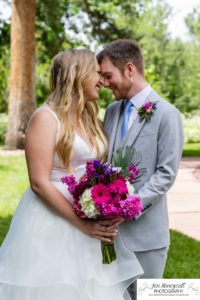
{"x": 112, "y": 222}
{"x": 101, "y": 232}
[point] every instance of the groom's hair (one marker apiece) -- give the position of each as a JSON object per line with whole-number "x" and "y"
{"x": 122, "y": 51}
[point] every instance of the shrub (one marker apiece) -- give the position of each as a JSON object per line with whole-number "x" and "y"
{"x": 192, "y": 128}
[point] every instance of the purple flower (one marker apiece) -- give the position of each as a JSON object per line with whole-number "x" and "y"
{"x": 148, "y": 106}
{"x": 146, "y": 110}
{"x": 98, "y": 172}
{"x": 97, "y": 164}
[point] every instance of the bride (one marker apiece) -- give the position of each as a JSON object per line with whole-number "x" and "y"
{"x": 49, "y": 253}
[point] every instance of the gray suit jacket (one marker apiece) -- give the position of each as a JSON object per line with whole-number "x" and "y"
{"x": 160, "y": 143}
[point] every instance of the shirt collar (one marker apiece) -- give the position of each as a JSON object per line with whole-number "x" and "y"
{"x": 140, "y": 98}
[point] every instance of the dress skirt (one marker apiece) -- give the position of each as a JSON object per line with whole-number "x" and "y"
{"x": 44, "y": 257}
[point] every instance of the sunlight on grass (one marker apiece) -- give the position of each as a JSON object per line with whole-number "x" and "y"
{"x": 13, "y": 182}
{"x": 191, "y": 149}
{"x": 183, "y": 257}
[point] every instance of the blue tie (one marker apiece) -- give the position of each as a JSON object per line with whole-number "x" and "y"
{"x": 126, "y": 115}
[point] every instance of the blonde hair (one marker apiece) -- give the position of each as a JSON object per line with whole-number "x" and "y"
{"x": 71, "y": 72}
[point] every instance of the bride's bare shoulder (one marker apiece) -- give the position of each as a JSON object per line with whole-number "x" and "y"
{"x": 42, "y": 123}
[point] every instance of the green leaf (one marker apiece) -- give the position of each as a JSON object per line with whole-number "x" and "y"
{"x": 123, "y": 158}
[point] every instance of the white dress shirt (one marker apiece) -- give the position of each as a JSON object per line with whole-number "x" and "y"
{"x": 137, "y": 102}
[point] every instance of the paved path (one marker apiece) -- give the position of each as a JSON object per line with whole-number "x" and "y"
{"x": 184, "y": 199}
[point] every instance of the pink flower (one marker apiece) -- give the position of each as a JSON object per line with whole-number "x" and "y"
{"x": 148, "y": 106}
{"x": 110, "y": 211}
{"x": 131, "y": 207}
{"x": 100, "y": 193}
{"x": 71, "y": 182}
{"x": 134, "y": 172}
{"x": 116, "y": 199}
{"x": 118, "y": 186}
{"x": 133, "y": 168}
{"x": 77, "y": 209}
{"x": 90, "y": 170}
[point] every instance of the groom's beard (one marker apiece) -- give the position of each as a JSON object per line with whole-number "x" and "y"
{"x": 122, "y": 90}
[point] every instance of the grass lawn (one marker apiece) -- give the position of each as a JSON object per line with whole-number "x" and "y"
{"x": 184, "y": 253}
{"x": 13, "y": 182}
{"x": 183, "y": 257}
{"x": 192, "y": 149}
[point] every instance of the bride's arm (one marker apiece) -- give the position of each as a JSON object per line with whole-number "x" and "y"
{"x": 40, "y": 149}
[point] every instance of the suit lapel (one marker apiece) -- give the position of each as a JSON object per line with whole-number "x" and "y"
{"x": 114, "y": 129}
{"x": 135, "y": 128}
{"x": 137, "y": 124}
{"x": 134, "y": 131}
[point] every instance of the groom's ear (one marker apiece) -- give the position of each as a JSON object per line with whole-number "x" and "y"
{"x": 130, "y": 69}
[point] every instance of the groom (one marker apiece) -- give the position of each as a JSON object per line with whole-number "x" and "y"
{"x": 157, "y": 135}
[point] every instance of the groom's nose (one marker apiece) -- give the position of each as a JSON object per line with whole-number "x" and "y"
{"x": 102, "y": 80}
{"x": 105, "y": 82}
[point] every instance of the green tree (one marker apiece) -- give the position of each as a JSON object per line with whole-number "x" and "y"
{"x": 172, "y": 66}
{"x": 22, "y": 82}
{"x": 193, "y": 23}
{"x": 191, "y": 79}
{"x": 4, "y": 63}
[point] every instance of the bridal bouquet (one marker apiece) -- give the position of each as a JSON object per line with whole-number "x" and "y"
{"x": 105, "y": 191}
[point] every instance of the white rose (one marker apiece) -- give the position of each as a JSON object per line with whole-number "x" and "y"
{"x": 87, "y": 204}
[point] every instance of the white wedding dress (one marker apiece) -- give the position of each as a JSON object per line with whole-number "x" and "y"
{"x": 44, "y": 257}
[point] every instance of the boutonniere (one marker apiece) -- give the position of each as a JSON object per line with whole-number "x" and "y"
{"x": 146, "y": 111}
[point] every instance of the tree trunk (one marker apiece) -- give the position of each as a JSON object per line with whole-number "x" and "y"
{"x": 22, "y": 82}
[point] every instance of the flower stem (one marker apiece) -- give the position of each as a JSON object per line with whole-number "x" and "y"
{"x": 108, "y": 253}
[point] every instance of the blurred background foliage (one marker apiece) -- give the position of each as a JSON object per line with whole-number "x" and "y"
{"x": 172, "y": 65}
